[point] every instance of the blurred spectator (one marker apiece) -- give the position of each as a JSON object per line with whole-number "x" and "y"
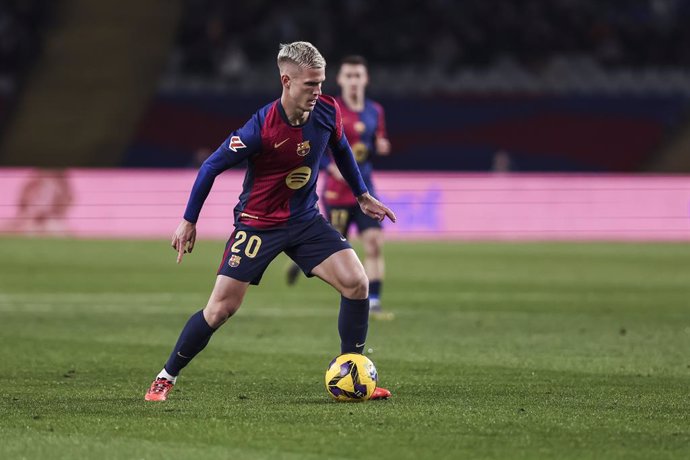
{"x": 501, "y": 162}
{"x": 219, "y": 40}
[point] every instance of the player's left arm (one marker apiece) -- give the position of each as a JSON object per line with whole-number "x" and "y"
{"x": 383, "y": 145}
{"x": 342, "y": 154}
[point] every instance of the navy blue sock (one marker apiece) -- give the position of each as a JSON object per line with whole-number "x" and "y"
{"x": 193, "y": 338}
{"x": 375, "y": 289}
{"x": 353, "y": 322}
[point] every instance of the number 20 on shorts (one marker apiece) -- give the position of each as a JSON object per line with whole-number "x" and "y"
{"x": 252, "y": 247}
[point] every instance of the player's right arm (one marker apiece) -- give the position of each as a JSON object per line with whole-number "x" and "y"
{"x": 240, "y": 145}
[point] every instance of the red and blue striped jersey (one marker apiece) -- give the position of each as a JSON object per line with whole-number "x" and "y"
{"x": 362, "y": 129}
{"x": 283, "y": 165}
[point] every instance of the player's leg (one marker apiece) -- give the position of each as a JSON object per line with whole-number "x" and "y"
{"x": 224, "y": 301}
{"x": 340, "y": 218}
{"x": 292, "y": 274}
{"x": 321, "y": 251}
{"x": 246, "y": 256}
{"x": 374, "y": 265}
{"x": 345, "y": 273}
{"x": 371, "y": 233}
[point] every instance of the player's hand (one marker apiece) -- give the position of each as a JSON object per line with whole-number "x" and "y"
{"x": 183, "y": 239}
{"x": 374, "y": 208}
{"x": 383, "y": 146}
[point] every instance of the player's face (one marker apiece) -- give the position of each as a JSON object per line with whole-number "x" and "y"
{"x": 304, "y": 87}
{"x": 353, "y": 78}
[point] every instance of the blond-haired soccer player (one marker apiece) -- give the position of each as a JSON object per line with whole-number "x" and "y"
{"x": 277, "y": 211}
{"x": 364, "y": 124}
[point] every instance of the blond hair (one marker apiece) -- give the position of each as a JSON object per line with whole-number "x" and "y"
{"x": 302, "y": 54}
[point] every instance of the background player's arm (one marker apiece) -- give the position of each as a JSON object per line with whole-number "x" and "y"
{"x": 383, "y": 145}
{"x": 330, "y": 167}
{"x": 345, "y": 160}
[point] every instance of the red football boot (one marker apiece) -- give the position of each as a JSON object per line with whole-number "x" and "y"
{"x": 159, "y": 390}
{"x": 380, "y": 393}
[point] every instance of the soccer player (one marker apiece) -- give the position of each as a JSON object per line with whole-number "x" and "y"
{"x": 365, "y": 127}
{"x": 277, "y": 210}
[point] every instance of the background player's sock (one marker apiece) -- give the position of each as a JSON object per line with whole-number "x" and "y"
{"x": 375, "y": 294}
{"x": 353, "y": 322}
{"x": 193, "y": 338}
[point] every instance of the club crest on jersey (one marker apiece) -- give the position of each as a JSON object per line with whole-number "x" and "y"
{"x": 236, "y": 143}
{"x": 234, "y": 261}
{"x": 360, "y": 127}
{"x": 303, "y": 148}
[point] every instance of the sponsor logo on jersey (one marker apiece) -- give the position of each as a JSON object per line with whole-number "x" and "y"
{"x": 298, "y": 178}
{"x": 236, "y": 143}
{"x": 234, "y": 260}
{"x": 303, "y": 148}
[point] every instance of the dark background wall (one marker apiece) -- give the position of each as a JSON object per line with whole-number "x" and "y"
{"x": 538, "y": 133}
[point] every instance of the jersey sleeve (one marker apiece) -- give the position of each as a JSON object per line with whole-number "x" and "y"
{"x": 342, "y": 154}
{"x": 240, "y": 145}
{"x": 381, "y": 122}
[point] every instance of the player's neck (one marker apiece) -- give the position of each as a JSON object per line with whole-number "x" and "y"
{"x": 294, "y": 114}
{"x": 354, "y": 101}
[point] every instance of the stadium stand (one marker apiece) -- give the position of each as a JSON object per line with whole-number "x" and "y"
{"x": 22, "y": 24}
{"x": 561, "y": 85}
{"x": 567, "y": 85}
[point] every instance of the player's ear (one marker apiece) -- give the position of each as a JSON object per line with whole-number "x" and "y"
{"x": 285, "y": 80}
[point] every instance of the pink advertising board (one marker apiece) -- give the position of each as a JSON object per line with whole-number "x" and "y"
{"x": 148, "y": 203}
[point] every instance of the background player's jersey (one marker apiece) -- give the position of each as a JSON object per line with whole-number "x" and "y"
{"x": 362, "y": 129}
{"x": 283, "y": 165}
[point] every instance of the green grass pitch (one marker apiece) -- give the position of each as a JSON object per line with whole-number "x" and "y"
{"x": 521, "y": 351}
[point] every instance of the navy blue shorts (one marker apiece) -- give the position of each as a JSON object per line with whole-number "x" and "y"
{"x": 249, "y": 250}
{"x": 341, "y": 217}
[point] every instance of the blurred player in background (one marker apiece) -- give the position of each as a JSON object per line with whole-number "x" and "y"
{"x": 284, "y": 143}
{"x": 365, "y": 127}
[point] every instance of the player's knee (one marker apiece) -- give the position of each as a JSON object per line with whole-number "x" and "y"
{"x": 217, "y": 313}
{"x": 374, "y": 249}
{"x": 219, "y": 309}
{"x": 373, "y": 244}
{"x": 355, "y": 285}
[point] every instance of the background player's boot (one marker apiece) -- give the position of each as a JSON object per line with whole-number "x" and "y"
{"x": 292, "y": 274}
{"x": 159, "y": 389}
{"x": 376, "y": 312}
{"x": 380, "y": 393}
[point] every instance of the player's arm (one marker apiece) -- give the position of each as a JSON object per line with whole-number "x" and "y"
{"x": 383, "y": 145}
{"x": 345, "y": 160}
{"x": 329, "y": 166}
{"x": 238, "y": 146}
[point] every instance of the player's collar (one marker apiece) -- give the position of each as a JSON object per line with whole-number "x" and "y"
{"x": 283, "y": 115}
